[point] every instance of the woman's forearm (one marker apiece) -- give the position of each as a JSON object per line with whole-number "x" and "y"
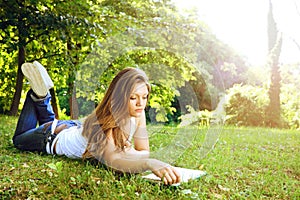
{"x": 131, "y": 153}
{"x": 133, "y": 161}
{"x": 168, "y": 174}
{"x": 130, "y": 165}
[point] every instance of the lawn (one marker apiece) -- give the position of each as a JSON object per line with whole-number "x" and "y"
{"x": 246, "y": 163}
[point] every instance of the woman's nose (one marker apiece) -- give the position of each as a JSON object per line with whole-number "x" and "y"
{"x": 138, "y": 102}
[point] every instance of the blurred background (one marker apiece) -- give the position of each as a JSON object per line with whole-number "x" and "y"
{"x": 209, "y": 62}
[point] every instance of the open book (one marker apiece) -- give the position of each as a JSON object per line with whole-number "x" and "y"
{"x": 186, "y": 175}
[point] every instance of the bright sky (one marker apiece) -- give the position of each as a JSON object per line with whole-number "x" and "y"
{"x": 243, "y": 25}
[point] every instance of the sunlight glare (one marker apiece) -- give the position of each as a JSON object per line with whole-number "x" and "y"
{"x": 243, "y": 25}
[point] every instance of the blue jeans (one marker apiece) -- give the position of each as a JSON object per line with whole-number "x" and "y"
{"x": 28, "y": 136}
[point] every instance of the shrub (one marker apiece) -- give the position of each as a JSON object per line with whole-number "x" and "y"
{"x": 290, "y": 106}
{"x": 246, "y": 105}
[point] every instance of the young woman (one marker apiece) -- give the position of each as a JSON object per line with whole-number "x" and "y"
{"x": 106, "y": 133}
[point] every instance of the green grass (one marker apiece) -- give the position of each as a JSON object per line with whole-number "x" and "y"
{"x": 246, "y": 163}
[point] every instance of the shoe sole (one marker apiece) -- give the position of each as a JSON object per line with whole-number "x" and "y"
{"x": 38, "y": 78}
{"x": 44, "y": 74}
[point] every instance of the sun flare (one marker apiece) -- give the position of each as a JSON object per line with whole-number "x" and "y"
{"x": 243, "y": 25}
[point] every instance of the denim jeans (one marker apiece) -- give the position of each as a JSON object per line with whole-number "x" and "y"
{"x": 28, "y": 136}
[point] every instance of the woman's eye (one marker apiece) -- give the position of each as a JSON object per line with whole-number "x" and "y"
{"x": 132, "y": 98}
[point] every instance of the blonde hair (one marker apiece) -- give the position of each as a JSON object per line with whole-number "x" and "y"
{"x": 110, "y": 113}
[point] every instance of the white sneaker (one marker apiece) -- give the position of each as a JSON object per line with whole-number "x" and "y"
{"x": 38, "y": 78}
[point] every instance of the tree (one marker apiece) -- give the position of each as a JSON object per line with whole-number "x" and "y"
{"x": 274, "y": 46}
{"x": 87, "y": 36}
{"x": 37, "y": 24}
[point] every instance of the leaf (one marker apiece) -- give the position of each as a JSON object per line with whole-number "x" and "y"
{"x": 59, "y": 166}
{"x": 52, "y": 166}
{"x": 55, "y": 166}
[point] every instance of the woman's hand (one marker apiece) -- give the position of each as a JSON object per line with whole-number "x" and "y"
{"x": 168, "y": 174}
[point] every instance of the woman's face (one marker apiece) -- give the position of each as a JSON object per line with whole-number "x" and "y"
{"x": 138, "y": 100}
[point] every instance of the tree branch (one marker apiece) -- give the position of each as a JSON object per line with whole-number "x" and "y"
{"x": 49, "y": 56}
{"x": 36, "y": 36}
{"x": 297, "y": 44}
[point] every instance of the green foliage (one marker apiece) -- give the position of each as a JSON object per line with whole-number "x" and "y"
{"x": 90, "y": 38}
{"x": 290, "y": 106}
{"x": 246, "y": 105}
{"x": 290, "y": 97}
{"x": 166, "y": 72}
{"x": 7, "y": 78}
{"x": 43, "y": 29}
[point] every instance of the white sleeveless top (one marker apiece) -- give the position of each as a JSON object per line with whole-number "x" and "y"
{"x": 71, "y": 143}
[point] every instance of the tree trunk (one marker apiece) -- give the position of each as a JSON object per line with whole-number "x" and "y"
{"x": 275, "y": 43}
{"x": 273, "y": 112}
{"x": 74, "y": 110}
{"x": 19, "y": 83}
{"x": 54, "y": 103}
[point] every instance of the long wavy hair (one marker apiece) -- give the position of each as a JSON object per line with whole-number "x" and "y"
{"x": 111, "y": 113}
